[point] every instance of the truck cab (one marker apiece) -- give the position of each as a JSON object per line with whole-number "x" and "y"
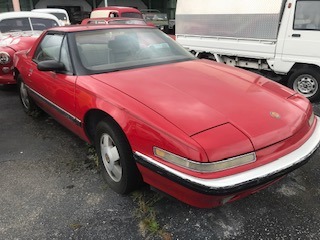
{"x": 278, "y": 38}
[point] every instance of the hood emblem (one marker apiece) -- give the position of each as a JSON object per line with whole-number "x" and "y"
{"x": 275, "y": 115}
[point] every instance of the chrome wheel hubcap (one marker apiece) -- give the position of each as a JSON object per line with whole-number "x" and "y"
{"x": 306, "y": 85}
{"x": 24, "y": 96}
{"x": 110, "y": 157}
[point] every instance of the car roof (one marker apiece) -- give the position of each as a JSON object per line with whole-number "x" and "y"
{"x": 150, "y": 10}
{"x": 49, "y": 10}
{"x": 80, "y": 28}
{"x": 118, "y": 8}
{"x": 107, "y": 20}
{"x": 26, "y": 14}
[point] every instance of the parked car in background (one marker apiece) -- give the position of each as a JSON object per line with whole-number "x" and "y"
{"x": 61, "y": 14}
{"x": 118, "y": 21}
{"x": 160, "y": 20}
{"x": 115, "y": 11}
{"x": 78, "y": 16}
{"x": 18, "y": 31}
{"x": 204, "y": 132}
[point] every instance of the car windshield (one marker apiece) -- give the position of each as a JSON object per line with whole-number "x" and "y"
{"x": 15, "y": 25}
{"x": 109, "y": 50}
{"x": 127, "y": 21}
{"x": 155, "y": 16}
{"x": 23, "y": 24}
{"x": 131, "y": 15}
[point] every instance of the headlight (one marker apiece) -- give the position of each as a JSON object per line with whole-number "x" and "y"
{"x": 4, "y": 58}
{"x": 311, "y": 119}
{"x": 205, "y": 167}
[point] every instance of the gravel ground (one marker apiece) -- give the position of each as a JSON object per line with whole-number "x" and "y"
{"x": 51, "y": 189}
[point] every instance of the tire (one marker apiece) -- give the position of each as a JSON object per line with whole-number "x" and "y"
{"x": 116, "y": 161}
{"x": 306, "y": 81}
{"x": 27, "y": 103}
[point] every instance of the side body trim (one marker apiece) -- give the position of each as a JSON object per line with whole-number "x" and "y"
{"x": 56, "y": 107}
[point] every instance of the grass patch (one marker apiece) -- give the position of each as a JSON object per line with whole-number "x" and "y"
{"x": 92, "y": 154}
{"x": 149, "y": 226}
{"x": 75, "y": 226}
{"x": 90, "y": 162}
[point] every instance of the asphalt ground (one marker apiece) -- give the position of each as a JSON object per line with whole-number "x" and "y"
{"x": 51, "y": 189}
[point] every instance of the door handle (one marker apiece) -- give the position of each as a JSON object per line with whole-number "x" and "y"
{"x": 296, "y": 35}
{"x": 30, "y": 72}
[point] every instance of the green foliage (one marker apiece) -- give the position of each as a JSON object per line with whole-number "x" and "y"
{"x": 92, "y": 155}
{"x": 145, "y": 212}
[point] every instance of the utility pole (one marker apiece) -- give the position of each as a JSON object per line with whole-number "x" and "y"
{"x": 16, "y": 5}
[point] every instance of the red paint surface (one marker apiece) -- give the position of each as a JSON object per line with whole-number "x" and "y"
{"x": 201, "y": 110}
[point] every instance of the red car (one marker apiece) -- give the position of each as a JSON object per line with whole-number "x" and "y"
{"x": 201, "y": 131}
{"x": 115, "y": 21}
{"x": 18, "y": 31}
{"x": 115, "y": 11}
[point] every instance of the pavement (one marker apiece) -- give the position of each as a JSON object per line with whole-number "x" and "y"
{"x": 51, "y": 189}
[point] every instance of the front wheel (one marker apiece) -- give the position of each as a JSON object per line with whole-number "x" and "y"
{"x": 116, "y": 161}
{"x": 27, "y": 103}
{"x": 306, "y": 81}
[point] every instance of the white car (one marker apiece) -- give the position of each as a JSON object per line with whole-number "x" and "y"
{"x": 61, "y": 14}
{"x": 18, "y": 31}
{"x": 26, "y": 21}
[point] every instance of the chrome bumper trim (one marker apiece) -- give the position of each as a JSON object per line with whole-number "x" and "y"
{"x": 256, "y": 175}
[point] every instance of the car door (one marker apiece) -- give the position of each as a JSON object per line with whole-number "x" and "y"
{"x": 303, "y": 32}
{"x": 56, "y": 90}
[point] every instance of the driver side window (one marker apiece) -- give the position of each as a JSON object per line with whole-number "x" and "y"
{"x": 53, "y": 47}
{"x": 307, "y": 15}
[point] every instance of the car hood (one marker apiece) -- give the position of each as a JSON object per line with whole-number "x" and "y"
{"x": 199, "y": 95}
{"x": 18, "y": 40}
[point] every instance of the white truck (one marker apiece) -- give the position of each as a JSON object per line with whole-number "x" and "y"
{"x": 278, "y": 38}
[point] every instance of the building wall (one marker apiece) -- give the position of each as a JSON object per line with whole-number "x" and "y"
{"x": 82, "y": 3}
{"x": 77, "y": 9}
{"x": 6, "y": 6}
{"x": 171, "y": 9}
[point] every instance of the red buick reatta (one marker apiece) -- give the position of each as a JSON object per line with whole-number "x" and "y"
{"x": 200, "y": 131}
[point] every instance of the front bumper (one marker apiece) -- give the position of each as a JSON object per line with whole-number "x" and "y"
{"x": 242, "y": 181}
{"x": 7, "y": 78}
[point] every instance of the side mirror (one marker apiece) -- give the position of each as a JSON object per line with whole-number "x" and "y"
{"x": 51, "y": 65}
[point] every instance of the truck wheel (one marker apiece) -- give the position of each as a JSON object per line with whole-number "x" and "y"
{"x": 116, "y": 162}
{"x": 306, "y": 81}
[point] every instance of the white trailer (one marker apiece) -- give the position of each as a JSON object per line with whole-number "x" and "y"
{"x": 278, "y": 38}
